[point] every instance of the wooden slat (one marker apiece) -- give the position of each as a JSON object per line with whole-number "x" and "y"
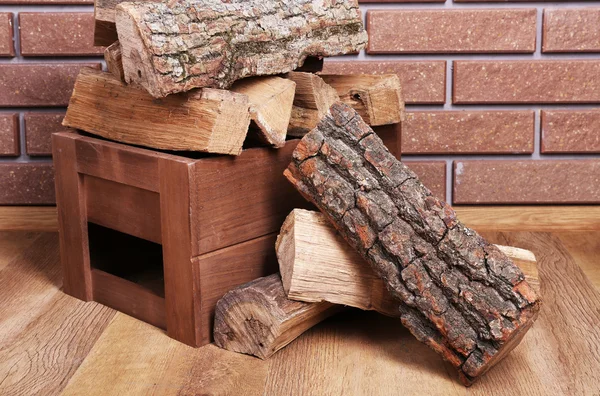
{"x": 123, "y": 208}
{"x": 118, "y": 162}
{"x": 241, "y": 198}
{"x": 229, "y": 267}
{"x": 182, "y": 279}
{"x": 129, "y": 297}
{"x": 74, "y": 245}
{"x": 28, "y": 218}
{"x": 584, "y": 247}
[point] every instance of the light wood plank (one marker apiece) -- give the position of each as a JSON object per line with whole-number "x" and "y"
{"x": 13, "y": 243}
{"x": 585, "y": 249}
{"x": 28, "y": 218}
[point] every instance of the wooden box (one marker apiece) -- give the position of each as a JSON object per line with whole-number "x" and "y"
{"x": 162, "y": 237}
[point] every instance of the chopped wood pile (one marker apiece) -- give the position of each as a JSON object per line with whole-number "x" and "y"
{"x": 217, "y": 76}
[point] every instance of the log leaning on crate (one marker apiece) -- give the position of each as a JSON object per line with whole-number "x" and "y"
{"x": 376, "y": 98}
{"x": 271, "y": 100}
{"x": 208, "y": 120}
{"x": 113, "y": 59}
{"x": 258, "y": 319}
{"x": 316, "y": 264}
{"x": 215, "y": 52}
{"x": 460, "y": 295}
{"x": 312, "y": 101}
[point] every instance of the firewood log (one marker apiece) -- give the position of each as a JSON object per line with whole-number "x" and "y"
{"x": 460, "y": 295}
{"x": 171, "y": 47}
{"x": 208, "y": 120}
{"x": 376, "y": 98}
{"x": 114, "y": 63}
{"x": 258, "y": 319}
{"x": 316, "y": 264}
{"x": 312, "y": 101}
{"x": 271, "y": 100}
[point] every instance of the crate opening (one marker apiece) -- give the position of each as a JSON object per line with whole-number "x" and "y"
{"x": 126, "y": 256}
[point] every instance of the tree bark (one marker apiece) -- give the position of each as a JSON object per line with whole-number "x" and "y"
{"x": 208, "y": 120}
{"x": 316, "y": 264}
{"x": 460, "y": 295}
{"x": 376, "y": 98}
{"x": 271, "y": 100}
{"x": 258, "y": 319}
{"x": 176, "y": 46}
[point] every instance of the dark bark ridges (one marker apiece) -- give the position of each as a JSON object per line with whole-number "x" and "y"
{"x": 460, "y": 294}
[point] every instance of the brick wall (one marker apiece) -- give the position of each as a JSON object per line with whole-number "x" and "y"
{"x": 503, "y": 98}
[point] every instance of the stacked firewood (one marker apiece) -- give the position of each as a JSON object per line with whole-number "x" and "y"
{"x": 210, "y": 76}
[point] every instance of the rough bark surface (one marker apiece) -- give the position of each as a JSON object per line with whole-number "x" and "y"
{"x": 316, "y": 264}
{"x": 179, "y": 45}
{"x": 258, "y": 319}
{"x": 460, "y": 295}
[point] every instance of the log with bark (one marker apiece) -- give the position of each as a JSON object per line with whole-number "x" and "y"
{"x": 171, "y": 47}
{"x": 114, "y": 63}
{"x": 460, "y": 295}
{"x": 316, "y": 265}
{"x": 376, "y": 98}
{"x": 312, "y": 101}
{"x": 258, "y": 319}
{"x": 208, "y": 120}
{"x": 271, "y": 100}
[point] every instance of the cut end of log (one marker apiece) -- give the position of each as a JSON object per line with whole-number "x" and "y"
{"x": 113, "y": 59}
{"x": 459, "y": 294}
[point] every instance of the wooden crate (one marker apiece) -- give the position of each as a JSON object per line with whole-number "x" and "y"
{"x": 188, "y": 229}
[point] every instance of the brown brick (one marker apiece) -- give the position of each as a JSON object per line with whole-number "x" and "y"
{"x": 27, "y": 183}
{"x": 570, "y": 131}
{"x": 571, "y": 30}
{"x": 9, "y": 135}
{"x": 468, "y": 132}
{"x": 6, "y": 35}
{"x": 423, "y": 82}
{"x": 451, "y": 31}
{"x": 38, "y": 128}
{"x": 38, "y": 84}
{"x": 522, "y": 182}
{"x": 432, "y": 174}
{"x": 551, "y": 81}
{"x": 30, "y": 2}
{"x": 57, "y": 34}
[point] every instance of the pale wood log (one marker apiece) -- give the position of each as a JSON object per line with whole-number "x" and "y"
{"x": 114, "y": 62}
{"x": 207, "y": 120}
{"x": 175, "y": 46}
{"x": 376, "y": 98}
{"x": 258, "y": 319}
{"x": 312, "y": 101}
{"x": 316, "y": 265}
{"x": 459, "y": 294}
{"x": 271, "y": 100}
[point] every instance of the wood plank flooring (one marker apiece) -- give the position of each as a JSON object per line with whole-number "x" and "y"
{"x": 52, "y": 344}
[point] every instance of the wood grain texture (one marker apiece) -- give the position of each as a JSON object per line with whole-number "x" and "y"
{"x": 258, "y": 319}
{"x": 271, "y": 100}
{"x": 458, "y": 293}
{"x": 584, "y": 247}
{"x": 13, "y": 243}
{"x": 316, "y": 264}
{"x": 499, "y": 218}
{"x": 353, "y": 353}
{"x": 113, "y": 59}
{"x": 215, "y": 52}
{"x": 377, "y": 98}
{"x": 208, "y": 120}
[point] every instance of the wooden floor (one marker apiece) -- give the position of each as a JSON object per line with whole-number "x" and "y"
{"x": 51, "y": 343}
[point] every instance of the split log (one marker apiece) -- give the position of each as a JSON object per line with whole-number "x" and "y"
{"x": 376, "y": 98}
{"x": 208, "y": 120}
{"x": 460, "y": 295}
{"x": 114, "y": 63}
{"x": 271, "y": 100}
{"x": 312, "y": 101}
{"x": 171, "y": 47}
{"x": 258, "y": 319}
{"x": 316, "y": 265}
